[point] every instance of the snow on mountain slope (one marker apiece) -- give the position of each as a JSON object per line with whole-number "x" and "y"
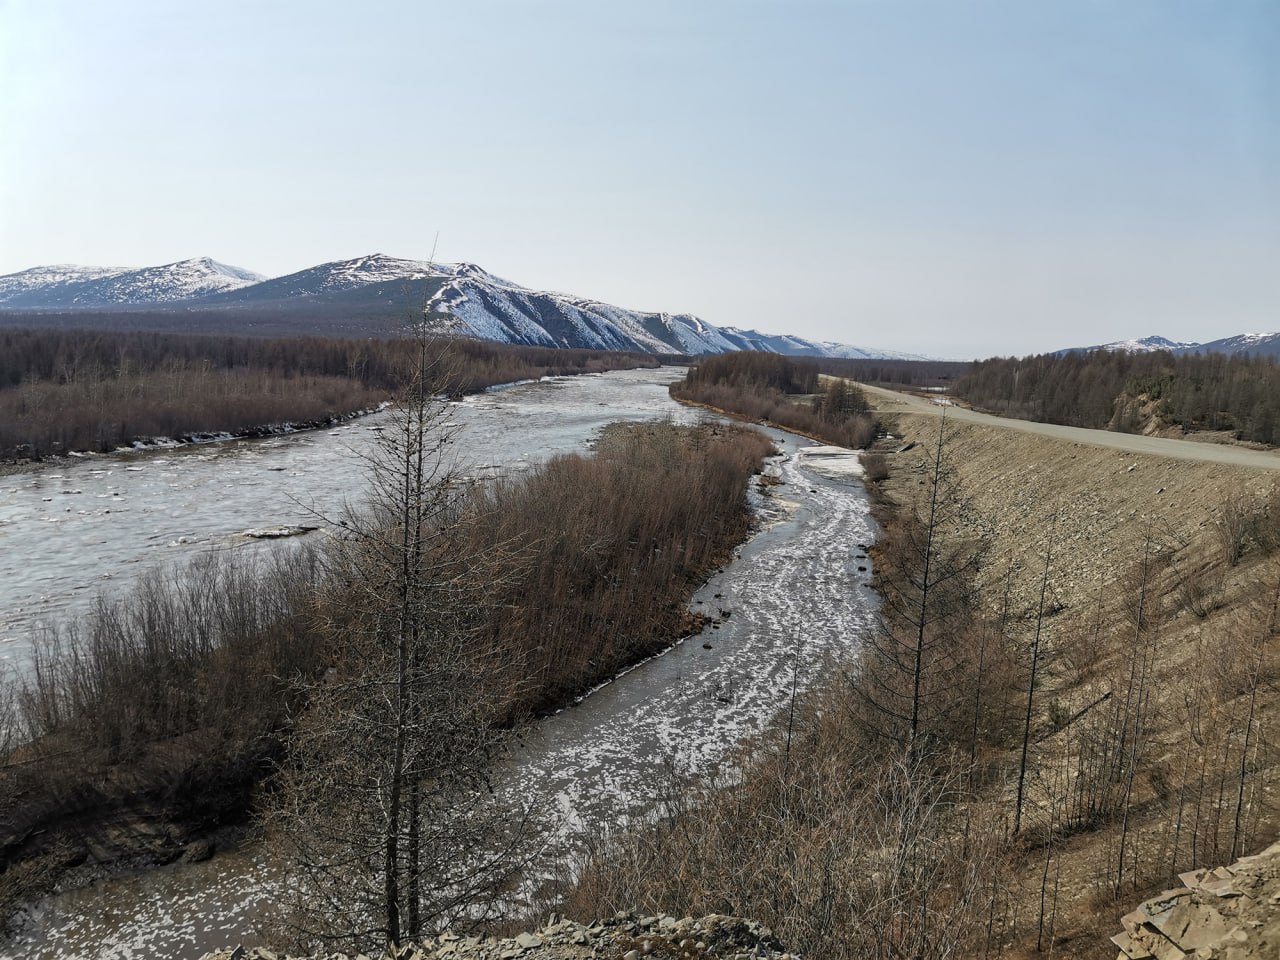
{"x": 1149, "y": 345}
{"x": 371, "y": 289}
{"x": 1143, "y": 345}
{"x": 1252, "y": 344}
{"x": 800, "y": 347}
{"x": 184, "y": 280}
{"x": 41, "y": 282}
{"x": 500, "y": 310}
{"x": 87, "y": 287}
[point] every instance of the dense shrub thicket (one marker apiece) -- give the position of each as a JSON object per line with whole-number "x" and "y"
{"x": 1107, "y": 389}
{"x": 785, "y": 391}
{"x": 613, "y": 545}
{"x": 66, "y": 390}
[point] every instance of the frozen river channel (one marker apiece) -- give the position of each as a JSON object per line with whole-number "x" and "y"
{"x": 795, "y": 594}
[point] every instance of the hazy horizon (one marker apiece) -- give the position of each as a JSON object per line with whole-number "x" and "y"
{"x": 933, "y": 177}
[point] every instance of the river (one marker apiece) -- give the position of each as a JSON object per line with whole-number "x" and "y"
{"x": 795, "y": 594}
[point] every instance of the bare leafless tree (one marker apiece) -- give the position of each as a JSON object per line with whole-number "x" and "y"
{"x": 385, "y": 809}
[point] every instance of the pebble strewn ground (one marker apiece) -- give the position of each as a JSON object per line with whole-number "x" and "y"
{"x": 624, "y": 937}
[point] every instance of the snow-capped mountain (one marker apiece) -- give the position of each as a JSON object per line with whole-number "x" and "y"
{"x": 1253, "y": 344}
{"x": 374, "y": 295}
{"x": 799, "y": 347}
{"x": 1250, "y": 344}
{"x": 339, "y": 277}
{"x": 49, "y": 284}
{"x": 75, "y": 287}
{"x": 491, "y": 308}
{"x": 1143, "y": 345}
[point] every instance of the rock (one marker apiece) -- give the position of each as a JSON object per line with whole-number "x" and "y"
{"x": 1227, "y": 913}
{"x": 198, "y": 851}
{"x": 623, "y": 937}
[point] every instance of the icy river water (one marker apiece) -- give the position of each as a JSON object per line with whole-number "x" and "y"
{"x": 795, "y": 594}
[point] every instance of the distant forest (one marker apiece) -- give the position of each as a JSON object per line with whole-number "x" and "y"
{"x": 63, "y": 390}
{"x": 1125, "y": 391}
{"x": 895, "y": 373}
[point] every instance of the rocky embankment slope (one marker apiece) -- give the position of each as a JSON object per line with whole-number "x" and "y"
{"x": 624, "y": 937}
{"x": 1229, "y": 913}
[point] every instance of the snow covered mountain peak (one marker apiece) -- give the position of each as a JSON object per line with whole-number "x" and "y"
{"x": 197, "y": 277}
{"x": 211, "y": 267}
{"x": 1148, "y": 345}
{"x": 1252, "y": 344}
{"x": 380, "y": 268}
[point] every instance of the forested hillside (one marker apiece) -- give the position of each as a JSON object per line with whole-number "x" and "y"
{"x": 1133, "y": 393}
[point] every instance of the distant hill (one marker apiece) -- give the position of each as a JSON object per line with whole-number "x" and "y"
{"x": 72, "y": 287}
{"x": 1249, "y": 344}
{"x": 371, "y": 295}
{"x": 1246, "y": 344}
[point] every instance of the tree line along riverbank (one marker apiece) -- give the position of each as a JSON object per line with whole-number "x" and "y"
{"x": 178, "y": 708}
{"x": 94, "y": 390}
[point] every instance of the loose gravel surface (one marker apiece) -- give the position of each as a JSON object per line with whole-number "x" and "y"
{"x": 624, "y": 937}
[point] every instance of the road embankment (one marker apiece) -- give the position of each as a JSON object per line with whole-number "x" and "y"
{"x": 1148, "y": 746}
{"x": 1095, "y": 492}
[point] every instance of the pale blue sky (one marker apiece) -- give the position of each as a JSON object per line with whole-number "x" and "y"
{"x": 954, "y": 178}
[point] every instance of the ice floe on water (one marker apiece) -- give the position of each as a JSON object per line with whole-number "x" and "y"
{"x": 836, "y": 463}
{"x": 278, "y": 532}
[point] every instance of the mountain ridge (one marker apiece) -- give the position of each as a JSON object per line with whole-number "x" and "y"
{"x": 74, "y": 286}
{"x": 1248, "y": 344}
{"x": 375, "y": 290}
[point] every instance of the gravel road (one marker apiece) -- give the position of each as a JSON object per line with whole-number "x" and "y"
{"x": 889, "y": 401}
